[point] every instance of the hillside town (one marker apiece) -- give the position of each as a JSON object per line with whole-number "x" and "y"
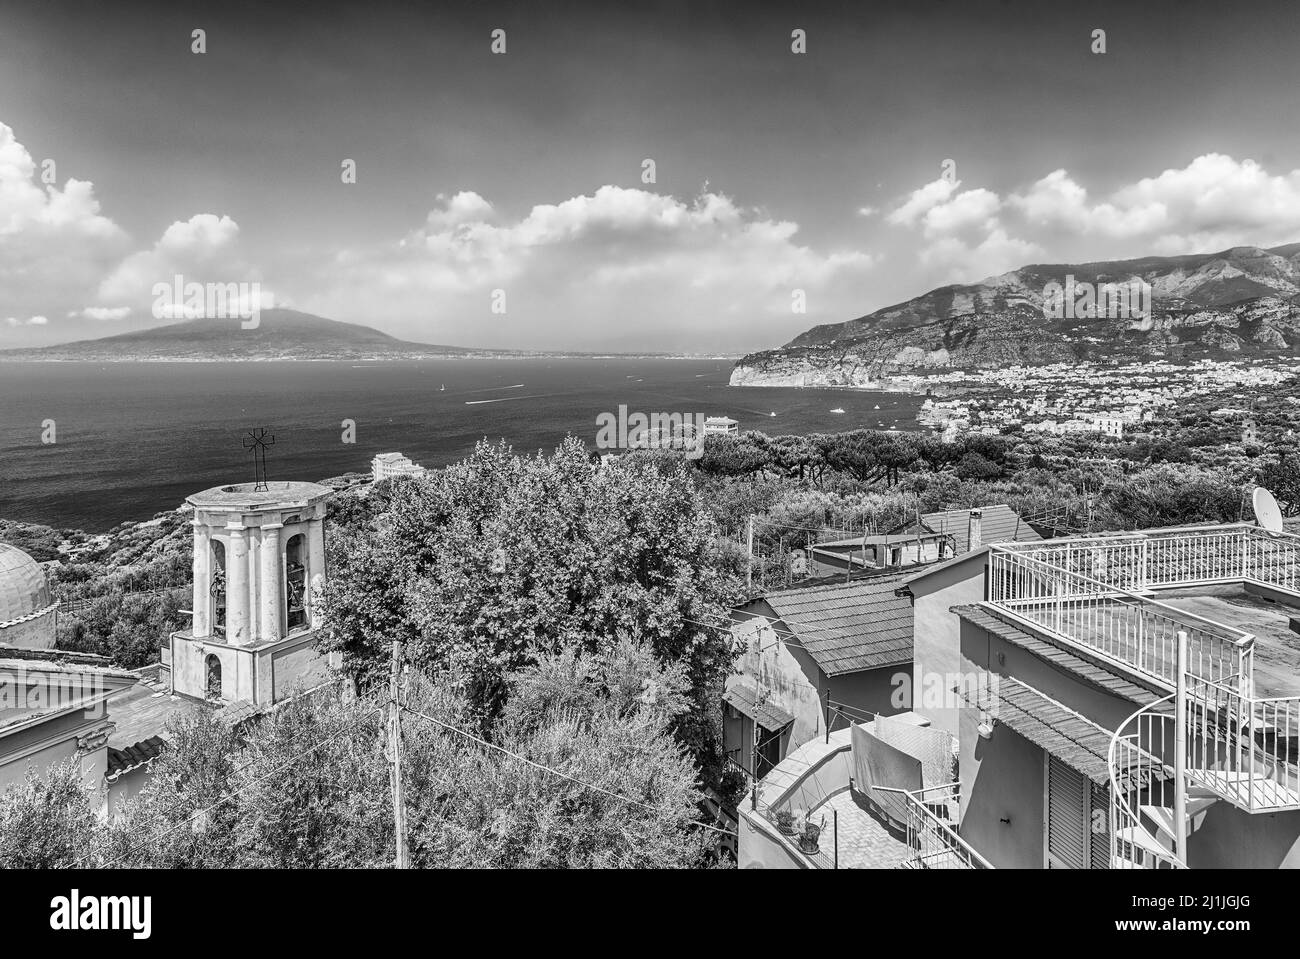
{"x": 1061, "y": 398}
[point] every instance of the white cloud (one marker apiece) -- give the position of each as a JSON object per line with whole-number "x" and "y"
{"x": 55, "y": 244}
{"x": 922, "y": 200}
{"x": 620, "y": 267}
{"x": 102, "y": 313}
{"x": 1213, "y": 203}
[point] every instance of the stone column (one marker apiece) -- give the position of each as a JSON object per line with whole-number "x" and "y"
{"x": 202, "y": 622}
{"x": 254, "y": 580}
{"x": 237, "y": 633}
{"x": 270, "y": 582}
{"x": 315, "y": 569}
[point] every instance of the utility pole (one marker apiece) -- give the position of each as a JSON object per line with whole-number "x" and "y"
{"x": 749, "y": 567}
{"x": 395, "y": 752}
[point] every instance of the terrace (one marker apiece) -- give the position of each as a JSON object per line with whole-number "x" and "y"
{"x": 863, "y": 824}
{"x": 1204, "y": 613}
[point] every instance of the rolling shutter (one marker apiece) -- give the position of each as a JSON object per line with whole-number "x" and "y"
{"x": 1067, "y": 817}
{"x": 1099, "y": 827}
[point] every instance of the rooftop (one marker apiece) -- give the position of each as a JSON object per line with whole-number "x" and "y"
{"x": 848, "y": 627}
{"x": 142, "y": 712}
{"x": 744, "y": 697}
{"x": 280, "y": 495}
{"x": 998, "y": 524}
{"x": 1277, "y": 648}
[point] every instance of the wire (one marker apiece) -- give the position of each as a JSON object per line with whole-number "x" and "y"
{"x": 556, "y": 772}
{"x": 226, "y": 798}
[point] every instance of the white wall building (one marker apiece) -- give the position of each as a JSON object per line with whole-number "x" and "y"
{"x": 388, "y": 465}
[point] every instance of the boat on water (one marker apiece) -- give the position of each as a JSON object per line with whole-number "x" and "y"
{"x": 838, "y": 409}
{"x": 443, "y": 388}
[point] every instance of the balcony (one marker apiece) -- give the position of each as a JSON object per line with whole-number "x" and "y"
{"x": 1194, "y": 611}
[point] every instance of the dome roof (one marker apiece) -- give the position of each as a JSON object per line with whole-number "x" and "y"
{"x": 23, "y": 590}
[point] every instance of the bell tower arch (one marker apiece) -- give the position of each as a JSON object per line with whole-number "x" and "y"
{"x": 259, "y": 565}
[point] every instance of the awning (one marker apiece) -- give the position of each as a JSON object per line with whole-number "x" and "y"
{"x": 744, "y": 698}
{"x": 1074, "y": 740}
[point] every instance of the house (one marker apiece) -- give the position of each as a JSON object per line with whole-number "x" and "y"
{"x": 810, "y": 657}
{"x": 720, "y": 426}
{"x": 1125, "y": 700}
{"x": 54, "y": 707}
{"x": 387, "y": 465}
{"x": 932, "y": 537}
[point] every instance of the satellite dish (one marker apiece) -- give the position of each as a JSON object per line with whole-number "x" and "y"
{"x": 1267, "y": 513}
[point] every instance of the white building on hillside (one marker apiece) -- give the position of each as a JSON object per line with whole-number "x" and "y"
{"x": 387, "y": 465}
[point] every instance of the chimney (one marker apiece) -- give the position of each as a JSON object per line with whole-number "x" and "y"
{"x": 974, "y": 539}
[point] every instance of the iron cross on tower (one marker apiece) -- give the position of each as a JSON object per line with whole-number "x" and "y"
{"x": 256, "y": 443}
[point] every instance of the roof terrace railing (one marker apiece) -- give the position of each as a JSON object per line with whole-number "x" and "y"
{"x": 1177, "y": 557}
{"x": 1108, "y": 618}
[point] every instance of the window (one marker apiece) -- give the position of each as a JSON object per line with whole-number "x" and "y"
{"x": 213, "y": 669}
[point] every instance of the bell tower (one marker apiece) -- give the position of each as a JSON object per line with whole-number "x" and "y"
{"x": 259, "y": 573}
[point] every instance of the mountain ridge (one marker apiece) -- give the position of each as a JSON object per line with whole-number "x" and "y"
{"x": 1243, "y": 301}
{"x": 281, "y": 334}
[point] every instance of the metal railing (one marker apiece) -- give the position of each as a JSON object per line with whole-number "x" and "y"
{"x": 1095, "y": 592}
{"x": 1112, "y": 620}
{"x": 1243, "y": 747}
{"x": 1170, "y": 558}
{"x": 931, "y": 832}
{"x": 1141, "y": 774}
{"x": 927, "y": 815}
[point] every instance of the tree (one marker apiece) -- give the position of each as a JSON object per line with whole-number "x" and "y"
{"x": 1170, "y": 494}
{"x": 1282, "y": 478}
{"x": 47, "y": 822}
{"x": 601, "y": 719}
{"x": 488, "y": 563}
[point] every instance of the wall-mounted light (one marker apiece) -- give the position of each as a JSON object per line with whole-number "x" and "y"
{"x": 985, "y": 727}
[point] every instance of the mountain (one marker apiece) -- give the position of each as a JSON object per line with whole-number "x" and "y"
{"x": 280, "y": 335}
{"x": 1240, "y": 302}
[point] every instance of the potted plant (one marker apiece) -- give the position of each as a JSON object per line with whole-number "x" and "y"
{"x": 811, "y": 833}
{"x": 785, "y": 822}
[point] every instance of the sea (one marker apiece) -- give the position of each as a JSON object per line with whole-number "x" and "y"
{"x": 130, "y": 440}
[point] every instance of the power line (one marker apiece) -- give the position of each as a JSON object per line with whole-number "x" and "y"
{"x": 188, "y": 820}
{"x": 556, "y": 772}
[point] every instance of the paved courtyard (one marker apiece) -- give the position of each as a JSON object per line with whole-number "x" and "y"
{"x": 864, "y": 841}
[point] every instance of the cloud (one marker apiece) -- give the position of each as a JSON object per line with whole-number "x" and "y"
{"x": 55, "y": 245}
{"x": 619, "y": 268}
{"x": 30, "y": 321}
{"x": 203, "y": 249}
{"x": 102, "y": 313}
{"x": 922, "y": 200}
{"x": 1213, "y": 203}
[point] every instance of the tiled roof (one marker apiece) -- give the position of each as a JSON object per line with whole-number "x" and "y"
{"x": 998, "y": 524}
{"x": 743, "y": 697}
{"x": 1065, "y": 734}
{"x": 849, "y": 627}
{"x": 1077, "y": 662}
{"x": 124, "y": 760}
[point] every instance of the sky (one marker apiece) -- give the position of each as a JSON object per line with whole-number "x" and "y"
{"x": 501, "y": 200}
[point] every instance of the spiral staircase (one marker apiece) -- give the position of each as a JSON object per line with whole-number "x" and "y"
{"x": 1210, "y": 739}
